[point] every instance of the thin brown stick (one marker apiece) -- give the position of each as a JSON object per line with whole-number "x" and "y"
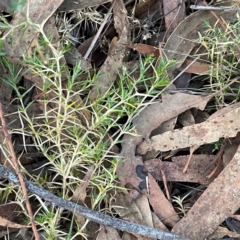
{"x": 165, "y": 184}
{"x": 19, "y": 174}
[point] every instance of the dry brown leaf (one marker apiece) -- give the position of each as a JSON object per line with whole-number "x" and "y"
{"x": 196, "y": 67}
{"x": 174, "y": 13}
{"x": 165, "y": 126}
{"x": 113, "y": 63}
{"x": 226, "y": 125}
{"x": 148, "y": 120}
{"x": 80, "y": 193}
{"x": 107, "y": 233}
{"x": 69, "y": 5}
{"x": 39, "y": 11}
{"x": 137, "y": 211}
{"x": 230, "y": 149}
{"x": 161, "y": 206}
{"x": 219, "y": 201}
{"x": 144, "y": 49}
{"x": 6, "y": 223}
{"x": 221, "y": 232}
{"x": 173, "y": 170}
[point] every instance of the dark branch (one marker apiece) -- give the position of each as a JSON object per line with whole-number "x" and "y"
{"x": 88, "y": 213}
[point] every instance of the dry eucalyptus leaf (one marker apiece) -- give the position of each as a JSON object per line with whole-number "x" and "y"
{"x": 175, "y": 12}
{"x": 107, "y": 233}
{"x": 221, "y": 232}
{"x": 224, "y": 126}
{"x": 6, "y": 223}
{"x": 114, "y": 61}
{"x": 219, "y": 201}
{"x": 148, "y": 120}
{"x": 161, "y": 206}
{"x": 69, "y": 5}
{"x": 39, "y": 11}
{"x": 137, "y": 211}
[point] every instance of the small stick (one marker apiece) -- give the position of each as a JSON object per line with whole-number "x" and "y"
{"x": 99, "y": 31}
{"x": 20, "y": 176}
{"x": 89, "y": 213}
{"x": 213, "y": 8}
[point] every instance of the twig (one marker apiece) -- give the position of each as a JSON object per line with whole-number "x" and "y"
{"x": 213, "y": 8}
{"x": 99, "y": 31}
{"x": 19, "y": 174}
{"x": 89, "y": 213}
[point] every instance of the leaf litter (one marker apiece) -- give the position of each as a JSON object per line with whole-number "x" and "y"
{"x": 149, "y": 170}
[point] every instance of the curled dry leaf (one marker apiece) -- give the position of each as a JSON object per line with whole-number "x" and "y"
{"x": 225, "y": 125}
{"x": 204, "y": 217}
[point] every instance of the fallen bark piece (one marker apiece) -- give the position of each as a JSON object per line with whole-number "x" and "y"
{"x": 225, "y": 125}
{"x": 217, "y": 203}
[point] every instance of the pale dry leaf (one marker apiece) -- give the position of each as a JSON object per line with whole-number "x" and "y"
{"x": 224, "y": 126}
{"x": 148, "y": 120}
{"x": 39, "y": 11}
{"x": 6, "y": 223}
{"x": 114, "y": 61}
{"x": 80, "y": 193}
{"x": 143, "y": 205}
{"x": 137, "y": 211}
{"x": 162, "y": 208}
{"x": 158, "y": 224}
{"x": 79, "y": 4}
{"x": 221, "y": 232}
{"x": 219, "y": 201}
{"x": 174, "y": 12}
{"x": 107, "y": 233}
